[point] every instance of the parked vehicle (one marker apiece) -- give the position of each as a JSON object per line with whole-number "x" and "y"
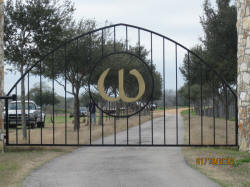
{"x": 33, "y": 114}
{"x": 83, "y": 112}
{"x": 153, "y": 106}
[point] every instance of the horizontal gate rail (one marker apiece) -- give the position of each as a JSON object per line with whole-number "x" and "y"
{"x": 130, "y": 145}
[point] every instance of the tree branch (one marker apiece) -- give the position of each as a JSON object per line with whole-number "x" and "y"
{"x": 63, "y": 87}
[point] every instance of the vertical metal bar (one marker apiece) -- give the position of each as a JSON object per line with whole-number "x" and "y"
{"x": 77, "y": 78}
{"x": 90, "y": 126}
{"x": 65, "y": 94}
{"x": 115, "y": 133}
{"x": 127, "y": 126}
{"x": 90, "y": 58}
{"x": 164, "y": 94}
{"x": 139, "y": 41}
{"x": 151, "y": 61}
{"x": 102, "y": 42}
{"x": 176, "y": 94}
{"x": 140, "y": 128}
{"x": 189, "y": 99}
{"x": 236, "y": 119}
{"x": 126, "y": 38}
{"x": 114, "y": 38}
{"x": 115, "y": 117}
{"x": 29, "y": 104}
{"x": 102, "y": 128}
{"x": 201, "y": 105}
{"x": 213, "y": 112}
{"x": 109, "y": 111}
{"x": 139, "y": 45}
{"x": 16, "y": 120}
{"x": 226, "y": 117}
{"x": 53, "y": 94}
{"x": 41, "y": 102}
{"x": 7, "y": 121}
{"x": 151, "y": 108}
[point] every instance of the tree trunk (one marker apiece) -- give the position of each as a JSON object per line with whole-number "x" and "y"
{"x": 76, "y": 110}
{"x": 23, "y": 105}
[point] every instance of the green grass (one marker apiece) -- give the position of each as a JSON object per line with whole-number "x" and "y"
{"x": 231, "y": 119}
{"x": 17, "y": 162}
{"x": 58, "y": 119}
{"x": 241, "y": 161}
{"x": 61, "y": 118}
{"x": 239, "y": 170}
{"x": 192, "y": 112}
{"x": 228, "y": 176}
{"x": 186, "y": 112}
{"x": 160, "y": 108}
{"x": 247, "y": 184}
{"x": 168, "y": 108}
{"x": 8, "y": 166}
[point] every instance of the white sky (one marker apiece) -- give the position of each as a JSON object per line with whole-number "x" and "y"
{"x": 176, "y": 19}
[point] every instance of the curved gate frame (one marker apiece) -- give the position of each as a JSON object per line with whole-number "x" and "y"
{"x": 151, "y": 33}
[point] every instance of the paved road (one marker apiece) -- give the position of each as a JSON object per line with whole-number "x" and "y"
{"x": 124, "y": 166}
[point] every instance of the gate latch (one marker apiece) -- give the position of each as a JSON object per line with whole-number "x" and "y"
{"x": 13, "y": 97}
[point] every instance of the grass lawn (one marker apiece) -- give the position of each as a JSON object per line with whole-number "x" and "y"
{"x": 60, "y": 118}
{"x": 18, "y": 162}
{"x": 237, "y": 174}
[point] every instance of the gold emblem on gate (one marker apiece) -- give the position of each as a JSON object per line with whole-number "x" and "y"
{"x": 122, "y": 94}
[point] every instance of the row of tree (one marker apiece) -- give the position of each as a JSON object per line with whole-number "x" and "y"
{"x": 31, "y": 29}
{"x": 35, "y": 27}
{"x": 219, "y": 50}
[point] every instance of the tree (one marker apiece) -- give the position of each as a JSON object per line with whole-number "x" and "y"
{"x": 219, "y": 50}
{"x": 197, "y": 76}
{"x": 128, "y": 62}
{"x": 33, "y": 28}
{"x": 72, "y": 62}
{"x": 220, "y": 40}
{"x": 45, "y": 99}
{"x": 143, "y": 53}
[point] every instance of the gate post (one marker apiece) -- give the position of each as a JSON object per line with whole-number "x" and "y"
{"x": 243, "y": 79}
{"x": 1, "y": 62}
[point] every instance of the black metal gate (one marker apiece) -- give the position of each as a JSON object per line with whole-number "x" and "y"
{"x": 125, "y": 71}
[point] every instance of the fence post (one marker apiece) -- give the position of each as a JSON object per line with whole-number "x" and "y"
{"x": 1, "y": 65}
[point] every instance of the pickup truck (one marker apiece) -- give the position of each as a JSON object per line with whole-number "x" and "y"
{"x": 33, "y": 114}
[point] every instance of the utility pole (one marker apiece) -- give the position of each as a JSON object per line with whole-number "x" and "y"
{"x": 1, "y": 66}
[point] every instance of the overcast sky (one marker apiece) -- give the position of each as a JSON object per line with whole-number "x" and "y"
{"x": 178, "y": 19}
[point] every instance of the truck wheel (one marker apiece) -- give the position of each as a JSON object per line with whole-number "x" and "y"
{"x": 32, "y": 126}
{"x": 40, "y": 125}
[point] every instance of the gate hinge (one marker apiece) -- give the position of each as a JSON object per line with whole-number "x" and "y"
{"x": 13, "y": 97}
